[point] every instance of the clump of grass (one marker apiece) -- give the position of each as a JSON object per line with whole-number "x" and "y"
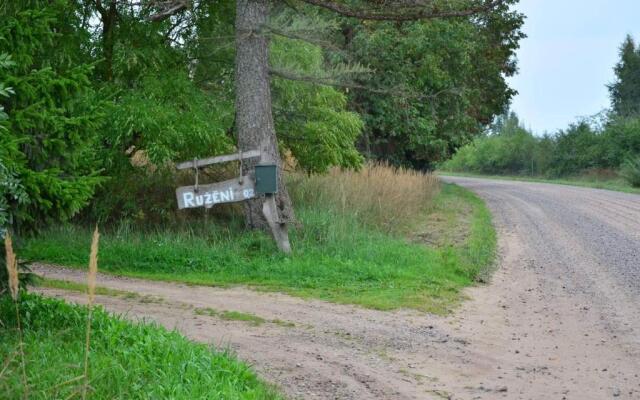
{"x": 386, "y": 197}
{"x": 240, "y": 316}
{"x": 159, "y": 364}
{"x": 236, "y": 316}
{"x": 335, "y": 257}
{"x": 82, "y": 287}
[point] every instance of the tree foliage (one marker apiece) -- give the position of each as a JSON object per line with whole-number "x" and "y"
{"x": 584, "y": 146}
{"x": 49, "y": 165}
{"x": 625, "y": 91}
{"x": 445, "y": 80}
{"x": 312, "y": 120}
{"x": 607, "y": 141}
{"x": 631, "y": 170}
{"x": 105, "y": 99}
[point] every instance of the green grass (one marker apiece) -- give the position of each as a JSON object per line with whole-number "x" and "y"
{"x": 80, "y": 287}
{"x": 335, "y": 258}
{"x": 252, "y": 319}
{"x": 127, "y": 360}
{"x": 618, "y": 184}
{"x": 231, "y": 316}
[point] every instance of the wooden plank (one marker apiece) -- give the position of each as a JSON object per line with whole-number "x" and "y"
{"x": 207, "y": 196}
{"x": 219, "y": 159}
{"x": 279, "y": 230}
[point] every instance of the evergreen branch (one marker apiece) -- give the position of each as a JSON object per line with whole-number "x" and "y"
{"x": 295, "y": 36}
{"x": 406, "y": 10}
{"x": 320, "y": 80}
{"x": 330, "y": 81}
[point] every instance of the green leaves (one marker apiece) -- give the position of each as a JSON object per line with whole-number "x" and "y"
{"x": 312, "y": 120}
{"x": 445, "y": 80}
{"x": 631, "y": 171}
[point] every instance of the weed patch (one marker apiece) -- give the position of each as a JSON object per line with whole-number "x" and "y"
{"x": 252, "y": 319}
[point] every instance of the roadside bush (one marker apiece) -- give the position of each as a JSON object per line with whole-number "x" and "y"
{"x": 143, "y": 195}
{"x": 578, "y": 148}
{"x": 380, "y": 195}
{"x": 593, "y": 150}
{"x": 631, "y": 171}
{"x": 621, "y": 140}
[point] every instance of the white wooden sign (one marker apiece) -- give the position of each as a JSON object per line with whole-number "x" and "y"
{"x": 239, "y": 189}
{"x": 209, "y": 195}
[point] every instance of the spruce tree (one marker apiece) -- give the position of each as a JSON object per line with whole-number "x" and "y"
{"x": 47, "y": 161}
{"x": 625, "y": 91}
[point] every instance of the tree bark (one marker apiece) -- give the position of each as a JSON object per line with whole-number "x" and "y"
{"x": 109, "y": 18}
{"x": 254, "y": 119}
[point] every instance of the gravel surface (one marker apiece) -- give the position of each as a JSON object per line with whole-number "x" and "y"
{"x": 560, "y": 319}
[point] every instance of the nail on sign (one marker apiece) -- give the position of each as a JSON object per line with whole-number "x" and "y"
{"x": 216, "y": 193}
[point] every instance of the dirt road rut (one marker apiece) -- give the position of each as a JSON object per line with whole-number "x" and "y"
{"x": 560, "y": 319}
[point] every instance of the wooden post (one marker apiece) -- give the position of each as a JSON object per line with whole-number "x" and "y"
{"x": 279, "y": 229}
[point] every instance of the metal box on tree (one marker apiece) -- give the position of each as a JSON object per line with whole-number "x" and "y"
{"x": 266, "y": 179}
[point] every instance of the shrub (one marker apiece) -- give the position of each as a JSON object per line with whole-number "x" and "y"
{"x": 631, "y": 171}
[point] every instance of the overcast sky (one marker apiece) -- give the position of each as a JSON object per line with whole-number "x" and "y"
{"x": 568, "y": 58}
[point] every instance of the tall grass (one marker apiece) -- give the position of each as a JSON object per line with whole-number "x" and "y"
{"x": 379, "y": 195}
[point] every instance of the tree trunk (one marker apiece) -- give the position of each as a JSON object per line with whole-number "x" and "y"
{"x": 254, "y": 120}
{"x": 109, "y": 18}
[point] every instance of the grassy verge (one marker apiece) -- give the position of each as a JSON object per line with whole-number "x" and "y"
{"x": 336, "y": 257}
{"x": 618, "y": 184}
{"x": 128, "y": 361}
{"x": 80, "y": 287}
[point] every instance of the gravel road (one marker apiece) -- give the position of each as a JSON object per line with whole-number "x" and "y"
{"x": 560, "y": 319}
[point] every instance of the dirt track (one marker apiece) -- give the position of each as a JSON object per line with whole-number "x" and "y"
{"x": 560, "y": 320}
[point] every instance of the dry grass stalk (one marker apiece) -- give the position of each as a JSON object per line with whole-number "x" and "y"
{"x": 91, "y": 291}
{"x": 379, "y": 194}
{"x": 93, "y": 266}
{"x": 7, "y": 362}
{"x": 12, "y": 267}
{"x": 14, "y": 288}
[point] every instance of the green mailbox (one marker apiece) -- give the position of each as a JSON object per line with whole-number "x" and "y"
{"x": 266, "y": 179}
